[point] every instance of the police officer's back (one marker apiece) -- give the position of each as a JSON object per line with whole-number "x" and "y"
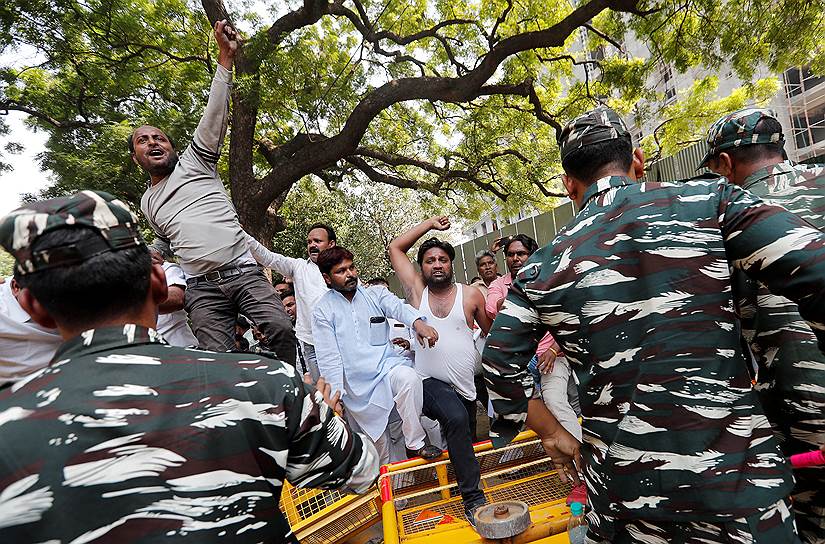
{"x": 124, "y": 438}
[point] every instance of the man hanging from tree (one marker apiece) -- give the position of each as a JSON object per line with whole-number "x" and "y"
{"x": 188, "y": 208}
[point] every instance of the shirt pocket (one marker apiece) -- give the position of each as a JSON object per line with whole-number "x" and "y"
{"x": 379, "y": 331}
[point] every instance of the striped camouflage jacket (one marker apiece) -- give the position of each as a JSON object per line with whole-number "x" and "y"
{"x": 791, "y": 379}
{"x": 126, "y": 439}
{"x": 637, "y": 292}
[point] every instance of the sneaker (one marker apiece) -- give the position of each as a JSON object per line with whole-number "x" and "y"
{"x": 428, "y": 452}
{"x": 578, "y": 494}
{"x": 470, "y": 512}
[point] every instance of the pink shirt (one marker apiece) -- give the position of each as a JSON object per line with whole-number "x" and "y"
{"x": 498, "y": 291}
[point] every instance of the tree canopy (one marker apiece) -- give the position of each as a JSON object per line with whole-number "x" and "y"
{"x": 457, "y": 100}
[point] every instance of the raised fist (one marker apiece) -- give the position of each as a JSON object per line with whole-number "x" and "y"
{"x": 441, "y": 222}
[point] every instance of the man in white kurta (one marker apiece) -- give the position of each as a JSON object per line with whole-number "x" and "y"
{"x": 356, "y": 357}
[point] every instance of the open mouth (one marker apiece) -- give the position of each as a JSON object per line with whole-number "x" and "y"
{"x": 156, "y": 153}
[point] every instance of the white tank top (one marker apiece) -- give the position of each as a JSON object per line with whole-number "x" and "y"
{"x": 453, "y": 358}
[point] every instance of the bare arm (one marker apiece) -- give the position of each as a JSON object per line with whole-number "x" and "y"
{"x": 407, "y": 274}
{"x": 479, "y": 312}
{"x": 173, "y": 302}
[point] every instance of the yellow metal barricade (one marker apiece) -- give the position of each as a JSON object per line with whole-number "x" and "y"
{"x": 420, "y": 500}
{"x": 326, "y": 516}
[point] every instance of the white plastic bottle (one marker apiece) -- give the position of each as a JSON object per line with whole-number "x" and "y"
{"x": 577, "y": 525}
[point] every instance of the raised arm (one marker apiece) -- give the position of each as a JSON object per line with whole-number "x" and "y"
{"x": 410, "y": 279}
{"x": 279, "y": 263}
{"x": 208, "y": 138}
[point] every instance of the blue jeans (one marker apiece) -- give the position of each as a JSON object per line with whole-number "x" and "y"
{"x": 452, "y": 411}
{"x": 532, "y": 366}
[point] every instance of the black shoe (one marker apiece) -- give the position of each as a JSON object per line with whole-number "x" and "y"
{"x": 470, "y": 511}
{"x": 428, "y": 452}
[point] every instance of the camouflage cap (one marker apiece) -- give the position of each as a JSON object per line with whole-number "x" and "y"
{"x": 595, "y": 126}
{"x": 736, "y": 129}
{"x": 101, "y": 211}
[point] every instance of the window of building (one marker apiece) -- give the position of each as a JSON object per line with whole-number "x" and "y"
{"x": 809, "y": 127}
{"x": 668, "y": 83}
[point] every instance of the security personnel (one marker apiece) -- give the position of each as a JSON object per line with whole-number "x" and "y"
{"x": 637, "y": 291}
{"x": 746, "y": 146}
{"x": 123, "y": 438}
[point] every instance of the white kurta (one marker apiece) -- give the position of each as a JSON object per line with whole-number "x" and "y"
{"x": 355, "y": 355}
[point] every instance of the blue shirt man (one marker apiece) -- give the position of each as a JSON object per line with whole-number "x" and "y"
{"x": 351, "y": 333}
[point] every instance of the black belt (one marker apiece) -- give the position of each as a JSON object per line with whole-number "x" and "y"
{"x": 219, "y": 274}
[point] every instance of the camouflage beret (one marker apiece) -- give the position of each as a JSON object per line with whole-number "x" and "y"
{"x": 736, "y": 129}
{"x": 117, "y": 225}
{"x": 599, "y": 125}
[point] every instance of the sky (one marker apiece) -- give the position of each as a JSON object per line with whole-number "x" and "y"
{"x": 26, "y": 176}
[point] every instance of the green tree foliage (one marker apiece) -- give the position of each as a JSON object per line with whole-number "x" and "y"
{"x": 6, "y": 264}
{"x": 457, "y": 100}
{"x": 365, "y": 219}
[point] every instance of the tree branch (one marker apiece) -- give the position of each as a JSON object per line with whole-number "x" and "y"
{"x": 11, "y": 105}
{"x": 604, "y": 36}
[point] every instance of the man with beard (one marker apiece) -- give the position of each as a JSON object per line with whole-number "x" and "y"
{"x": 307, "y": 283}
{"x": 187, "y": 207}
{"x": 448, "y": 369}
{"x": 357, "y": 359}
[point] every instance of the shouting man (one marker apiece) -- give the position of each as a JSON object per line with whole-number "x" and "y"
{"x": 188, "y": 208}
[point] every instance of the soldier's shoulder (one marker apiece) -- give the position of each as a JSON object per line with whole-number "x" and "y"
{"x": 810, "y": 171}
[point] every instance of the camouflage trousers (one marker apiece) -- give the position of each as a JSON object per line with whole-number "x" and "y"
{"x": 809, "y": 504}
{"x": 771, "y": 525}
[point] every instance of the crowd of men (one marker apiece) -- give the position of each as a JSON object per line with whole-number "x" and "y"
{"x": 665, "y": 346}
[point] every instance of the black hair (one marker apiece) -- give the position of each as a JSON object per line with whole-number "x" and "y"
{"x": 130, "y": 141}
{"x": 484, "y": 253}
{"x": 525, "y": 240}
{"x": 378, "y": 280}
{"x": 287, "y": 293}
{"x": 331, "y": 257}
{"x": 100, "y": 288}
{"x": 588, "y": 163}
{"x": 431, "y": 243}
{"x": 475, "y": 278}
{"x": 330, "y": 230}
{"x": 748, "y": 154}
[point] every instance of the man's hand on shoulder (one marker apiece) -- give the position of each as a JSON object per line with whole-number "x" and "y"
{"x": 228, "y": 42}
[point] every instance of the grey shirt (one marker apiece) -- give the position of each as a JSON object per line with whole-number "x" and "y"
{"x": 190, "y": 208}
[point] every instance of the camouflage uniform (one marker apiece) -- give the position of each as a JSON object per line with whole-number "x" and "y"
{"x": 126, "y": 439}
{"x": 637, "y": 291}
{"x": 791, "y": 369}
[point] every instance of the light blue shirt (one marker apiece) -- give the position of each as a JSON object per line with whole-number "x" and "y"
{"x": 355, "y": 355}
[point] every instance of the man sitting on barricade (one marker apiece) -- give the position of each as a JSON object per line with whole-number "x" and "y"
{"x": 356, "y": 356}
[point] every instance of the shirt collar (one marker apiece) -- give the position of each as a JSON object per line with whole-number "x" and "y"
{"x": 762, "y": 174}
{"x": 106, "y": 338}
{"x": 601, "y": 185}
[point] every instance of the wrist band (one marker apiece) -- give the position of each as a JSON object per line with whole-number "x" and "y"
{"x": 556, "y": 353}
{"x": 809, "y": 459}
